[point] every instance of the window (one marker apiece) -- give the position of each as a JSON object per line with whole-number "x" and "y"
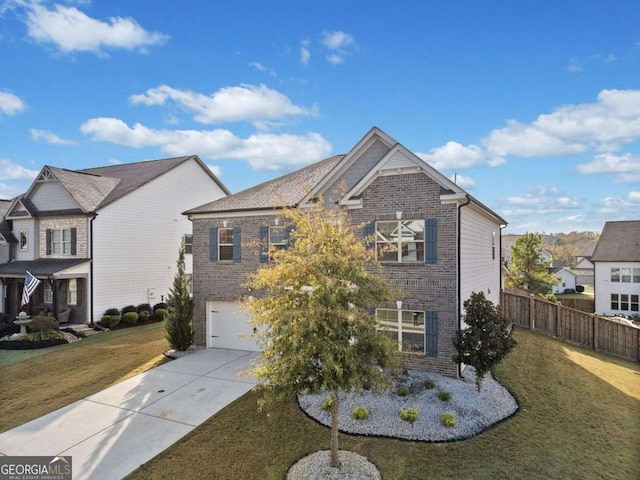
{"x": 493, "y": 246}
{"x": 61, "y": 242}
{"x": 187, "y": 241}
{"x": 624, "y": 302}
{"x": 189, "y": 278}
{"x": 72, "y": 291}
{"x": 407, "y": 329}
{"x": 278, "y": 238}
{"x": 225, "y": 244}
{"x": 634, "y": 303}
{"x": 615, "y": 274}
{"x": 24, "y": 240}
{"x": 636, "y": 275}
{"x": 400, "y": 241}
{"x": 625, "y": 275}
{"x": 615, "y": 302}
{"x": 48, "y": 292}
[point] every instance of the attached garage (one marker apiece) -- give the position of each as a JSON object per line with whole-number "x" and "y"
{"x": 228, "y": 327}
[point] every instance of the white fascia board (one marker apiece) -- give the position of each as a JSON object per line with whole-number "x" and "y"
{"x": 236, "y": 214}
{"x": 12, "y": 207}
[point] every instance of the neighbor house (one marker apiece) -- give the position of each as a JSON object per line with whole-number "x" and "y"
{"x": 617, "y": 269}
{"x": 445, "y": 245}
{"x": 101, "y": 237}
{"x": 566, "y": 280}
{"x": 584, "y": 268}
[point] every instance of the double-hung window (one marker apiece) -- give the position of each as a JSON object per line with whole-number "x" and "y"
{"x": 61, "y": 242}
{"x": 187, "y": 241}
{"x": 400, "y": 240}
{"x": 225, "y": 244}
{"x": 72, "y": 291}
{"x": 615, "y": 301}
{"x": 615, "y": 274}
{"x": 24, "y": 240}
{"x": 278, "y": 238}
{"x": 48, "y": 292}
{"x": 414, "y": 331}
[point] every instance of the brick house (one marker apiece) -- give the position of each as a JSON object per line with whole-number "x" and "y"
{"x": 101, "y": 237}
{"x": 446, "y": 245}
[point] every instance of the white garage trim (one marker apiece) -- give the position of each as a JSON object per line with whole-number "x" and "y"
{"x": 228, "y": 327}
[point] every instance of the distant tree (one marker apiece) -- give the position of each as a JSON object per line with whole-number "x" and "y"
{"x": 485, "y": 341}
{"x": 312, "y": 309}
{"x": 179, "y": 322}
{"x": 528, "y": 270}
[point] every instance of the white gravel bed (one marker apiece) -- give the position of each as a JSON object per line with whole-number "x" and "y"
{"x": 474, "y": 411}
{"x": 317, "y": 466}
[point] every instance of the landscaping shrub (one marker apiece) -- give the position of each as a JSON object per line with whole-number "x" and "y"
{"x": 409, "y": 414}
{"x": 580, "y": 288}
{"x": 447, "y": 420}
{"x": 130, "y": 318}
{"x": 161, "y": 313}
{"x": 326, "y": 404}
{"x": 403, "y": 391}
{"x": 360, "y": 413}
{"x": 160, "y": 306}
{"x": 429, "y": 384}
{"x": 112, "y": 311}
{"x": 144, "y": 307}
{"x": 109, "y": 321}
{"x": 43, "y": 328}
{"x": 444, "y": 396}
{"x": 129, "y": 308}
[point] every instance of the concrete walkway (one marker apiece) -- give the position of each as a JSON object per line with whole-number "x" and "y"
{"x": 111, "y": 433}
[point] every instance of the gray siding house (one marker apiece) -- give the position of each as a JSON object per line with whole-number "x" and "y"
{"x": 447, "y": 245}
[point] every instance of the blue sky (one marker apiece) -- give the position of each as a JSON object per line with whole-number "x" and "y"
{"x": 533, "y": 105}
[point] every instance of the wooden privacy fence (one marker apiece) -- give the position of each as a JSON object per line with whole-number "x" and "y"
{"x": 574, "y": 326}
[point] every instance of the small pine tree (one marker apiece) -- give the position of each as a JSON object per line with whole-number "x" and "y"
{"x": 179, "y": 322}
{"x": 485, "y": 341}
{"x": 528, "y": 270}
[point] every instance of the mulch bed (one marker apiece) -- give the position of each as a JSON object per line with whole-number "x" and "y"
{"x": 29, "y": 345}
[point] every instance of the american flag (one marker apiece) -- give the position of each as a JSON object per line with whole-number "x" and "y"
{"x": 30, "y": 284}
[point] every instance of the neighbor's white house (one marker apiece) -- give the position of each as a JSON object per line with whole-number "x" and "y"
{"x": 566, "y": 280}
{"x": 102, "y": 237}
{"x": 617, "y": 269}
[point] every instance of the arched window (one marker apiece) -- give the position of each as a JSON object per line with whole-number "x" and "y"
{"x": 24, "y": 240}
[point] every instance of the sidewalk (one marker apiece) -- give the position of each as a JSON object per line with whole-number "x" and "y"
{"x": 113, "y": 432}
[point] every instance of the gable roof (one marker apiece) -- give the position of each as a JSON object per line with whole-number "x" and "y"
{"x": 619, "y": 242}
{"x": 286, "y": 191}
{"x": 588, "y": 249}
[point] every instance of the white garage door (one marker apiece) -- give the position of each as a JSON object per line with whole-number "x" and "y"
{"x": 228, "y": 327}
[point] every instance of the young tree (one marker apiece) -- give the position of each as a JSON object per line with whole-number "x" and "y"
{"x": 485, "y": 341}
{"x": 528, "y": 269}
{"x": 179, "y": 322}
{"x": 312, "y": 312}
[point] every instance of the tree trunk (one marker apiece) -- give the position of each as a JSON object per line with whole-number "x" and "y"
{"x": 335, "y": 461}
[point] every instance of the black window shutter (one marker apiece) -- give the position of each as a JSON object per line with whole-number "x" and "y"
{"x": 431, "y": 333}
{"x": 369, "y": 232}
{"x": 213, "y": 244}
{"x": 264, "y": 244}
{"x": 49, "y": 238}
{"x": 236, "y": 245}
{"x": 431, "y": 241}
{"x": 73, "y": 241}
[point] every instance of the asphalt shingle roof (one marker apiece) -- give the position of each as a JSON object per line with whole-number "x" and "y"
{"x": 41, "y": 266}
{"x": 285, "y": 191}
{"x": 619, "y": 242}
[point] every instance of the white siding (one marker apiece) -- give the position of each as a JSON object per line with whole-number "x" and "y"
{"x": 479, "y": 267}
{"x": 51, "y": 195}
{"x": 136, "y": 238}
{"x": 567, "y": 280}
{"x": 604, "y": 287}
{"x": 28, "y": 224}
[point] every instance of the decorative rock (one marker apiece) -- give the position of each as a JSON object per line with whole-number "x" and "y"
{"x": 318, "y": 466}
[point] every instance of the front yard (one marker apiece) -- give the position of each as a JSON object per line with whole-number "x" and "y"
{"x": 579, "y": 417}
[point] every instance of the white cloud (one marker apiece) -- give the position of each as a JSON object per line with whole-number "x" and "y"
{"x": 579, "y": 64}
{"x": 626, "y": 167}
{"x": 216, "y": 170}
{"x": 629, "y": 204}
{"x": 604, "y": 126}
{"x": 114, "y": 161}
{"x": 229, "y": 104}
{"x": 262, "y": 151}
{"x": 305, "y": 53}
{"x": 10, "y": 104}
{"x": 541, "y": 201}
{"x": 13, "y": 171}
{"x": 71, "y": 30}
{"x": 462, "y": 181}
{"x": 261, "y": 68}
{"x": 339, "y": 44}
{"x": 49, "y": 137}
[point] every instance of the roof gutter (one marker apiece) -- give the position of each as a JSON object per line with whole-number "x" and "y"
{"x": 91, "y": 267}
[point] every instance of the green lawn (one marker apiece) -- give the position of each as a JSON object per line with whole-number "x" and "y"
{"x": 37, "y": 382}
{"x": 579, "y": 418}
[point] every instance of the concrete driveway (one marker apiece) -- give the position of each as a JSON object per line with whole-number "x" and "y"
{"x": 113, "y": 432}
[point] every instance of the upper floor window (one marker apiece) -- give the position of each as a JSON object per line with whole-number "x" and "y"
{"x": 224, "y": 244}
{"x": 615, "y": 274}
{"x": 61, "y": 242}
{"x": 400, "y": 240}
{"x": 24, "y": 240}
{"x": 625, "y": 274}
{"x": 187, "y": 241}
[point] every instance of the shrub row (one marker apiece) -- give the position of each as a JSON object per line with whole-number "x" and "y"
{"x": 132, "y": 315}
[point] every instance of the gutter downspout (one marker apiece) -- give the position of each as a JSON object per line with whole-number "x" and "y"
{"x": 91, "y": 267}
{"x": 459, "y": 272}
